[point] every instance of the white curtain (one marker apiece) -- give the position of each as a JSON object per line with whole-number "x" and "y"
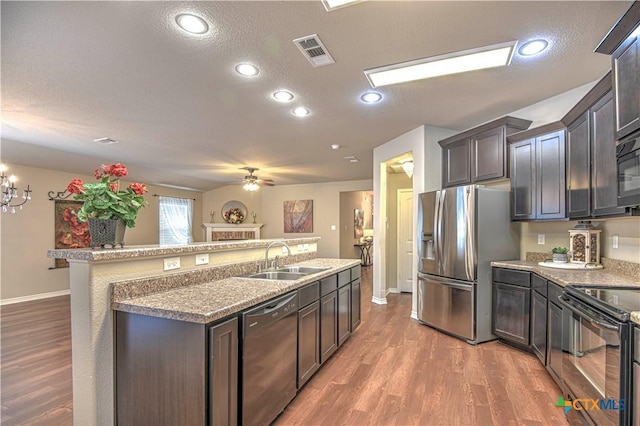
{"x": 176, "y": 216}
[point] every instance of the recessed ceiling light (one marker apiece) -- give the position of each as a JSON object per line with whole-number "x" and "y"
{"x": 283, "y": 96}
{"x": 371, "y": 97}
{"x": 435, "y": 66}
{"x": 533, "y": 47}
{"x": 247, "y": 69}
{"x": 301, "y": 112}
{"x": 329, "y": 5}
{"x": 192, "y": 24}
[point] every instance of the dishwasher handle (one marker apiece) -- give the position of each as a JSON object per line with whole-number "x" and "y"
{"x": 268, "y": 313}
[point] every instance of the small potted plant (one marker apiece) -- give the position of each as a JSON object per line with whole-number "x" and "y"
{"x": 560, "y": 254}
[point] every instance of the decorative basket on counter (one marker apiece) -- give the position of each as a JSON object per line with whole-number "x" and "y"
{"x": 584, "y": 243}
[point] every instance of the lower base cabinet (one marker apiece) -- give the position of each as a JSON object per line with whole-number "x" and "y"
{"x": 539, "y": 326}
{"x": 308, "y": 342}
{"x": 328, "y": 325}
{"x": 223, "y": 367}
{"x": 344, "y": 313}
{"x": 554, "y": 334}
{"x": 355, "y": 303}
{"x": 511, "y": 305}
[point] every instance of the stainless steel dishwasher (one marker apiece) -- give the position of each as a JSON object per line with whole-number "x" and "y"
{"x": 269, "y": 352}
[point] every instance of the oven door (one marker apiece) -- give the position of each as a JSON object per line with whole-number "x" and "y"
{"x": 595, "y": 366}
{"x": 628, "y": 160}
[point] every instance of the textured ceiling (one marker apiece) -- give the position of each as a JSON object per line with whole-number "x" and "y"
{"x": 75, "y": 71}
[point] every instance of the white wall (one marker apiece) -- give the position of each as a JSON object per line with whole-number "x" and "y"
{"x": 26, "y": 235}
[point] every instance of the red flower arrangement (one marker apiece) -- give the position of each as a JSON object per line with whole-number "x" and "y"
{"x": 104, "y": 200}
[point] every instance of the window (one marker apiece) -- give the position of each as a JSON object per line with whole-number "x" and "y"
{"x": 176, "y": 216}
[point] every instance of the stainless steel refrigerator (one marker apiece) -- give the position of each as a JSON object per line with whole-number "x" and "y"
{"x": 461, "y": 230}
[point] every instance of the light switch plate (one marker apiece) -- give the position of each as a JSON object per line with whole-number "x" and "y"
{"x": 615, "y": 241}
{"x": 171, "y": 263}
{"x": 333, "y": 227}
{"x": 541, "y": 238}
{"x": 202, "y": 259}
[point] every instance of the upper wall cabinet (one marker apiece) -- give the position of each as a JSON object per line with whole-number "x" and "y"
{"x": 591, "y": 155}
{"x": 538, "y": 173}
{"x": 623, "y": 44}
{"x": 479, "y": 154}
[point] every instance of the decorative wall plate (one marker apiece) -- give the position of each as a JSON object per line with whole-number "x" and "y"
{"x": 234, "y": 212}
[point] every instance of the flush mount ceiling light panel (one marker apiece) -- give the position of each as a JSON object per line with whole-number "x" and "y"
{"x": 282, "y": 96}
{"x": 452, "y": 63}
{"x": 246, "y": 69}
{"x": 192, "y": 24}
{"x": 330, "y": 5}
{"x": 313, "y": 50}
{"x": 533, "y": 47}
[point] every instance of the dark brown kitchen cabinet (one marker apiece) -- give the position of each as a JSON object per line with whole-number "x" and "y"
{"x": 539, "y": 317}
{"x": 538, "y": 173}
{"x": 328, "y": 325}
{"x": 165, "y": 367}
{"x": 555, "y": 336}
{"x": 623, "y": 44}
{"x": 223, "y": 367}
{"x": 344, "y": 313}
{"x": 308, "y": 342}
{"x": 478, "y": 154}
{"x": 591, "y": 155}
{"x": 355, "y": 303}
{"x": 511, "y": 305}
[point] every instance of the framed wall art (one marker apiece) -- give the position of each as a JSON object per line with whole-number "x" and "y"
{"x": 358, "y": 223}
{"x": 69, "y": 232}
{"x": 298, "y": 216}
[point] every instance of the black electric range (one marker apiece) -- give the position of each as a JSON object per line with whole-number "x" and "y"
{"x": 617, "y": 302}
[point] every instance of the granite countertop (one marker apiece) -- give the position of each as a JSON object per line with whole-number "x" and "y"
{"x": 129, "y": 252}
{"x": 563, "y": 277}
{"x": 204, "y": 303}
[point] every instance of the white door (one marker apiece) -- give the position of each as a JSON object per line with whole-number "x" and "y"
{"x": 405, "y": 240}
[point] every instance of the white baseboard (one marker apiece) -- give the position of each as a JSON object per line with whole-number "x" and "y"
{"x": 379, "y": 300}
{"x": 414, "y": 315}
{"x": 34, "y": 297}
{"x": 393, "y": 290}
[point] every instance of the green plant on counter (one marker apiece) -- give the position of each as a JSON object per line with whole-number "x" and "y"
{"x": 559, "y": 250}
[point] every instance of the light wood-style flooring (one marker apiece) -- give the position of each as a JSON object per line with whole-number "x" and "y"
{"x": 392, "y": 371}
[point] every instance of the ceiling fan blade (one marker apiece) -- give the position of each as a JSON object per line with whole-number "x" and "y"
{"x": 265, "y": 182}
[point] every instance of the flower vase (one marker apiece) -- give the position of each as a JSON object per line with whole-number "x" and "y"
{"x": 106, "y": 232}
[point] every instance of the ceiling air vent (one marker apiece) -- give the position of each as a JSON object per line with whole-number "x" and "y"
{"x": 313, "y": 49}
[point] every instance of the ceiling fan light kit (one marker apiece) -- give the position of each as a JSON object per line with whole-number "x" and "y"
{"x": 251, "y": 182}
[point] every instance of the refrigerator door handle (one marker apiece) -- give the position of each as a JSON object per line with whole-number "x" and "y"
{"x": 438, "y": 228}
{"x": 470, "y": 248}
{"x": 463, "y": 285}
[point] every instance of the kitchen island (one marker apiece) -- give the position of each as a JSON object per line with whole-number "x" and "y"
{"x": 93, "y": 277}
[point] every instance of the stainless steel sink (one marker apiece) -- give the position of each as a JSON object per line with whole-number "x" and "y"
{"x": 275, "y": 275}
{"x": 307, "y": 270}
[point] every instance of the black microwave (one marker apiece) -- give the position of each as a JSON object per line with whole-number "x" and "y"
{"x": 628, "y": 164}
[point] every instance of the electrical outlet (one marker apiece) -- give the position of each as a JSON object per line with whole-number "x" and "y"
{"x": 306, "y": 247}
{"x": 300, "y": 246}
{"x": 615, "y": 241}
{"x": 333, "y": 227}
{"x": 202, "y": 259}
{"x": 171, "y": 263}
{"x": 540, "y": 239}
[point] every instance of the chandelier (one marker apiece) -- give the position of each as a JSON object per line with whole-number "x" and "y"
{"x": 9, "y": 192}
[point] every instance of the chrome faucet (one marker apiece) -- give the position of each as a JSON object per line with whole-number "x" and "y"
{"x": 266, "y": 253}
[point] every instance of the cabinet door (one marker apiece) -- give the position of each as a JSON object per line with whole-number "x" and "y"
{"x": 344, "y": 313}
{"x": 456, "y": 159}
{"x": 578, "y": 168}
{"x": 550, "y": 176}
{"x": 626, "y": 87}
{"x": 355, "y": 304}
{"x": 223, "y": 365}
{"x": 511, "y": 307}
{"x": 488, "y": 154}
{"x": 328, "y": 325}
{"x": 523, "y": 165}
{"x": 604, "y": 180}
{"x": 539, "y": 326}
{"x": 554, "y": 342}
{"x": 308, "y": 342}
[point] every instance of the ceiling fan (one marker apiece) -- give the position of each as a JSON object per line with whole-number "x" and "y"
{"x": 252, "y": 182}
